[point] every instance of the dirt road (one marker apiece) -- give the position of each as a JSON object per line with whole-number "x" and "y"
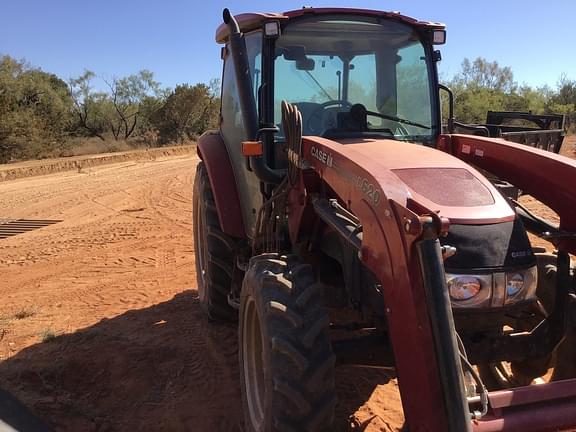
{"x": 100, "y": 328}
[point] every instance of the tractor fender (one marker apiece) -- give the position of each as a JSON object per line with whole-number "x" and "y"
{"x": 212, "y": 150}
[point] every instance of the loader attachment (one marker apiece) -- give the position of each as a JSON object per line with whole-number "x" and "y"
{"x": 550, "y": 178}
{"x": 442, "y": 324}
{"x": 418, "y": 311}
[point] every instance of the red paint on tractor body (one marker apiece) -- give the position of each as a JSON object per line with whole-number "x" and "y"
{"x": 379, "y": 199}
{"x": 212, "y": 150}
{"x": 253, "y": 21}
{"x": 531, "y": 409}
{"x": 546, "y": 176}
{"x": 418, "y": 173}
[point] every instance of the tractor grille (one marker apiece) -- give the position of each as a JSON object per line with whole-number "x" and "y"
{"x": 9, "y": 228}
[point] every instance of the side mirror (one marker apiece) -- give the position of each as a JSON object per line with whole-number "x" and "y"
{"x": 450, "y": 126}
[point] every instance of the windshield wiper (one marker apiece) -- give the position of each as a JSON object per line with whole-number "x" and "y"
{"x": 397, "y": 119}
{"x": 319, "y": 85}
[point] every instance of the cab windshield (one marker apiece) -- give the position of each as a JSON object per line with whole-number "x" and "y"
{"x": 355, "y": 76}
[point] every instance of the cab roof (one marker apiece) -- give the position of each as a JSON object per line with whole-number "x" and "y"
{"x": 252, "y": 21}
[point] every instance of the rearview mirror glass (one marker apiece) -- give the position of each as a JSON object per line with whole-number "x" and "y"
{"x": 306, "y": 64}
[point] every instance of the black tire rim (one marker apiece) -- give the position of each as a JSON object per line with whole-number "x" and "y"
{"x": 253, "y": 364}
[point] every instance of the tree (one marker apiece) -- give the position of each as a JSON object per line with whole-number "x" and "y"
{"x": 187, "y": 112}
{"x": 566, "y": 93}
{"x": 481, "y": 86}
{"x": 486, "y": 75}
{"x": 122, "y": 112}
{"x": 564, "y": 101}
{"x": 40, "y": 113}
{"x": 88, "y": 106}
{"x": 127, "y": 96}
{"x": 35, "y": 110}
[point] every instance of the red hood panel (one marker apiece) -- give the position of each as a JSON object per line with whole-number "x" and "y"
{"x": 451, "y": 187}
{"x": 436, "y": 180}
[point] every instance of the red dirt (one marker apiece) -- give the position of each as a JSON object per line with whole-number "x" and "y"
{"x": 100, "y": 327}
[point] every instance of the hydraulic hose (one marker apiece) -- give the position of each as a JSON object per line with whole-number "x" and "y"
{"x": 292, "y": 125}
{"x": 480, "y": 387}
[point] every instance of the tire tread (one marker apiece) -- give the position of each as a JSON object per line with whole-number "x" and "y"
{"x": 301, "y": 361}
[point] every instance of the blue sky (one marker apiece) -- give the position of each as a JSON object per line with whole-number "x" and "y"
{"x": 175, "y": 38}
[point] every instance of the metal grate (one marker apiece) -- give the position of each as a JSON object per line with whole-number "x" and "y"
{"x": 9, "y": 228}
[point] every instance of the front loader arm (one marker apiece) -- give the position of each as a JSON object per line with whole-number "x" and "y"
{"x": 409, "y": 267}
{"x": 400, "y": 246}
{"x": 548, "y": 177}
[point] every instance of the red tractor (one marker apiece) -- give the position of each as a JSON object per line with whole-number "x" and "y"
{"x": 338, "y": 223}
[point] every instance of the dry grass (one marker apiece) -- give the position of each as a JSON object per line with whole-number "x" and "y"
{"x": 88, "y": 146}
{"x": 47, "y": 335}
{"x": 24, "y": 313}
{"x": 569, "y": 146}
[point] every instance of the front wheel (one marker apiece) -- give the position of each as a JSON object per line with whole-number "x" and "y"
{"x": 286, "y": 361}
{"x": 215, "y": 252}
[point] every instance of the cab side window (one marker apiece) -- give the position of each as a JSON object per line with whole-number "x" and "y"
{"x": 232, "y": 124}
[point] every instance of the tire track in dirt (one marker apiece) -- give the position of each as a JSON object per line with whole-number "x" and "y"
{"x": 112, "y": 282}
{"x": 111, "y": 291}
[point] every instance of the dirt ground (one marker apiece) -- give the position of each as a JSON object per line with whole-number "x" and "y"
{"x": 100, "y": 327}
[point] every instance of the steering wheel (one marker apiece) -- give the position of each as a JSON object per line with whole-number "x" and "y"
{"x": 309, "y": 123}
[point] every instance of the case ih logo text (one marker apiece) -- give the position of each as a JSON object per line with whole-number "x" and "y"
{"x": 325, "y": 158}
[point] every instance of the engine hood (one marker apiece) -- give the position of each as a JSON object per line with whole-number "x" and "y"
{"x": 434, "y": 179}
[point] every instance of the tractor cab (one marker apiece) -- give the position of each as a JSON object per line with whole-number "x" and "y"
{"x": 351, "y": 74}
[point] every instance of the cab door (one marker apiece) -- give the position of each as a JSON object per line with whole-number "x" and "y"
{"x": 233, "y": 130}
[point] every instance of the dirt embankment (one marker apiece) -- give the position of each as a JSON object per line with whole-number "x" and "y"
{"x": 85, "y": 163}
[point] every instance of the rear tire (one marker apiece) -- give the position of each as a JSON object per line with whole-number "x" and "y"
{"x": 215, "y": 252}
{"x": 286, "y": 361}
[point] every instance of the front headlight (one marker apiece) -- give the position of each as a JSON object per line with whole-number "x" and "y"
{"x": 492, "y": 290}
{"x": 521, "y": 285}
{"x": 469, "y": 290}
{"x": 514, "y": 283}
{"x": 464, "y": 287}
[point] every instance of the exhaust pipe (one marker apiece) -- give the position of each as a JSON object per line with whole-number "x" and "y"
{"x": 243, "y": 77}
{"x": 237, "y": 47}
